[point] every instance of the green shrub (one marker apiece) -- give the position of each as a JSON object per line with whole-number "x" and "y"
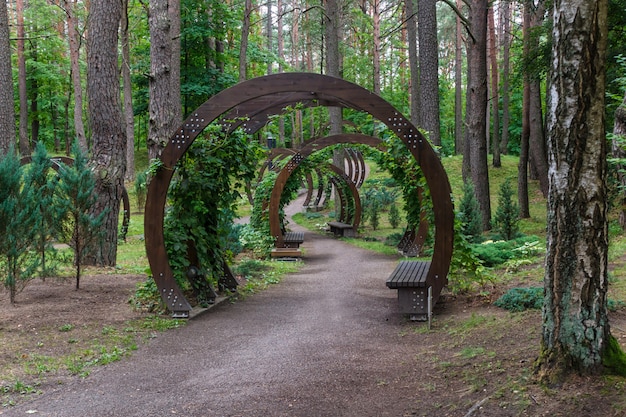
{"x": 394, "y": 216}
{"x": 497, "y": 253}
{"x": 506, "y": 221}
{"x": 469, "y": 214}
{"x": 520, "y": 299}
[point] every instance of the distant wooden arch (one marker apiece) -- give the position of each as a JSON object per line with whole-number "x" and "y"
{"x": 310, "y": 147}
{"x": 323, "y": 90}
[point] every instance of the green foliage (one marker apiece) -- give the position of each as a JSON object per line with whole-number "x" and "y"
{"x": 506, "y": 221}
{"x": 198, "y": 224}
{"x": 48, "y": 216}
{"x": 466, "y": 269}
{"x": 18, "y": 211}
{"x": 394, "y": 216}
{"x": 520, "y": 299}
{"x": 499, "y": 252}
{"x": 78, "y": 228}
{"x": 141, "y": 189}
{"x": 469, "y": 214}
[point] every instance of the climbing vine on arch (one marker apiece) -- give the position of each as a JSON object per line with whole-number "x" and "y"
{"x": 198, "y": 223}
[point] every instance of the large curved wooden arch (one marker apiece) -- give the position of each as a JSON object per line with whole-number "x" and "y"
{"x": 322, "y": 89}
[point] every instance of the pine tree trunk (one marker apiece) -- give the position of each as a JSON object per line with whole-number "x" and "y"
{"x": 7, "y": 111}
{"x": 243, "y": 48}
{"x": 411, "y": 29}
{"x": 21, "y": 71}
{"x": 128, "y": 96}
{"x": 163, "y": 115}
{"x": 506, "y": 63}
{"x": 575, "y": 324}
{"x": 74, "y": 44}
{"x": 108, "y": 133}
{"x": 494, "y": 98}
{"x": 458, "y": 85}
{"x": 476, "y": 108}
{"x": 429, "y": 69}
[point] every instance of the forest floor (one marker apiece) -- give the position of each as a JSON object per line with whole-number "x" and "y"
{"x": 476, "y": 360}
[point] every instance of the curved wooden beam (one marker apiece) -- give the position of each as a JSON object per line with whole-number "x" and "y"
{"x": 322, "y": 89}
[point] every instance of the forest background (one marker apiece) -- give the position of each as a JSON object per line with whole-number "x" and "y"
{"x": 473, "y": 75}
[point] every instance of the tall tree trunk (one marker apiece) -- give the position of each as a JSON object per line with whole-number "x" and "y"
{"x": 269, "y": 36}
{"x": 537, "y": 146}
{"x": 128, "y": 96}
{"x": 537, "y": 140}
{"x": 108, "y": 134}
{"x": 506, "y": 65}
{"x": 411, "y": 29}
{"x": 332, "y": 34}
{"x": 576, "y": 334}
{"x": 618, "y": 151}
{"x": 522, "y": 169}
{"x": 243, "y": 48}
{"x": 74, "y": 44}
{"x": 458, "y": 85}
{"x": 7, "y": 110}
{"x": 376, "y": 46}
{"x": 173, "y": 12}
{"x": 494, "y": 99}
{"x": 476, "y": 107}
{"x": 21, "y": 71}
{"x": 163, "y": 113}
{"x": 429, "y": 69}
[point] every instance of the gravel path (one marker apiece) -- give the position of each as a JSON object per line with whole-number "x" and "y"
{"x": 326, "y": 341}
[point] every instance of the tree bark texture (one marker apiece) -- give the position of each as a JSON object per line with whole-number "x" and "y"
{"x": 107, "y": 126}
{"x": 243, "y": 48}
{"x": 618, "y": 151}
{"x": 128, "y": 96}
{"x": 332, "y": 33}
{"x": 506, "y": 64}
{"x": 74, "y": 44}
{"x": 458, "y": 85}
{"x": 21, "y": 76}
{"x": 7, "y": 111}
{"x": 576, "y": 330}
{"x": 476, "y": 107}
{"x": 411, "y": 29}
{"x": 494, "y": 97}
{"x": 162, "y": 107}
{"x": 429, "y": 69}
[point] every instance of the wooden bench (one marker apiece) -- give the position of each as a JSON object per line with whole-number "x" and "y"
{"x": 409, "y": 278}
{"x": 293, "y": 239}
{"x": 341, "y": 229}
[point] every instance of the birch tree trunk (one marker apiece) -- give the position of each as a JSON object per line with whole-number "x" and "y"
{"x": 576, "y": 334}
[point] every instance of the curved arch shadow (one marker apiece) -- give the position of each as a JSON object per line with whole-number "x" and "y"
{"x": 323, "y": 89}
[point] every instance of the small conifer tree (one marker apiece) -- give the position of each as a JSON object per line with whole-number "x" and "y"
{"x": 79, "y": 228}
{"x": 37, "y": 176}
{"x": 394, "y": 215}
{"x": 17, "y": 216}
{"x": 506, "y": 221}
{"x": 469, "y": 214}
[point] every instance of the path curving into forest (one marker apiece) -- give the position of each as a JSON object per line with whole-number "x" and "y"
{"x": 326, "y": 341}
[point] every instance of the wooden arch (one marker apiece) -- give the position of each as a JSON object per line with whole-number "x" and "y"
{"x": 321, "y": 89}
{"x": 310, "y": 147}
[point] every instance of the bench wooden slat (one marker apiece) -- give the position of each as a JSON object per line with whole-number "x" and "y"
{"x": 409, "y": 274}
{"x": 294, "y": 237}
